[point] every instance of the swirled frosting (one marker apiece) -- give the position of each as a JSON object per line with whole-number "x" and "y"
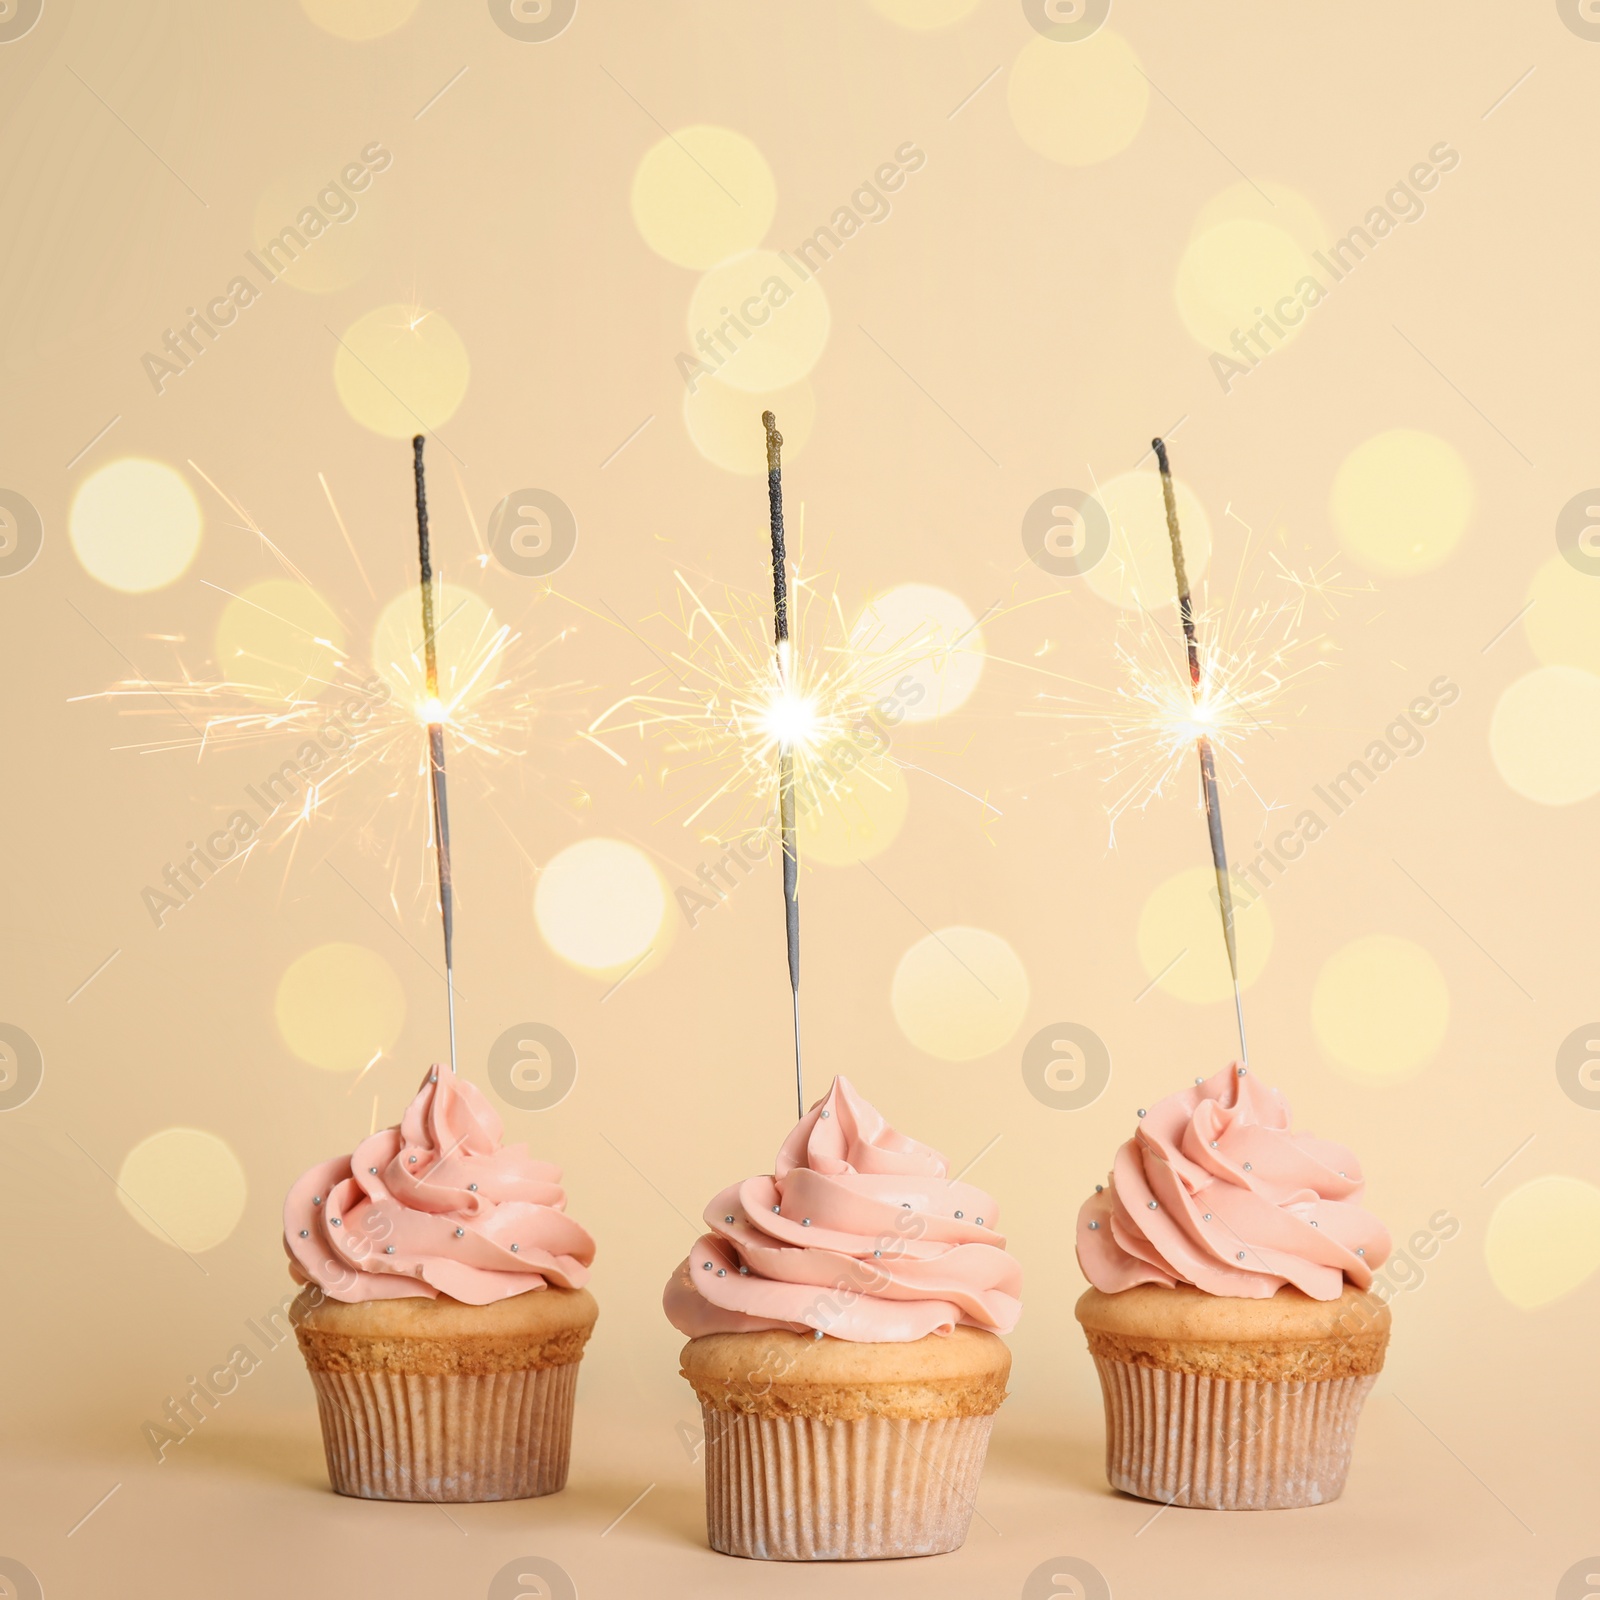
{"x": 859, "y": 1232}
{"x": 1217, "y": 1191}
{"x": 437, "y": 1205}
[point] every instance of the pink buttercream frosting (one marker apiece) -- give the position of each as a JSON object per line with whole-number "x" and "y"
{"x": 437, "y": 1205}
{"x": 859, "y": 1232}
{"x": 1217, "y": 1191}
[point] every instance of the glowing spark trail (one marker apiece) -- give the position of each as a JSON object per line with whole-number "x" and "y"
{"x": 1208, "y": 763}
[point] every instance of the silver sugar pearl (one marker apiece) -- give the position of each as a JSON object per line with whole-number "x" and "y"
{"x": 777, "y": 1208}
{"x": 1213, "y": 1144}
{"x": 372, "y": 1169}
{"x": 706, "y": 1265}
{"x": 1206, "y": 1217}
{"x": 1154, "y": 1206}
{"x": 1098, "y": 1187}
{"x": 827, "y": 1113}
{"x": 805, "y": 1222}
{"x": 516, "y": 1247}
{"x": 412, "y": 1160}
{"x": 1094, "y": 1226}
{"x": 1199, "y": 1080}
{"x": 980, "y": 1222}
{"x": 305, "y": 1233}
{"x": 1248, "y": 1167}
{"x": 1141, "y": 1111}
{"x": 729, "y": 1217}
{"x": 905, "y": 1205}
{"x": 316, "y": 1199}
{"x": 1313, "y": 1224}
{"x": 744, "y": 1272}
{"x": 817, "y": 1334}
{"x": 336, "y": 1221}
{"x": 722, "y": 1272}
{"x": 388, "y": 1249}
{"x": 960, "y": 1216}
{"x": 1360, "y": 1252}
{"x": 1243, "y": 1071}
{"x": 473, "y": 1187}
{"x": 1241, "y": 1255}
{"x": 877, "y": 1252}
{"x": 461, "y": 1233}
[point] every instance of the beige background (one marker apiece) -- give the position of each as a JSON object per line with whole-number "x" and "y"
{"x": 1013, "y": 327}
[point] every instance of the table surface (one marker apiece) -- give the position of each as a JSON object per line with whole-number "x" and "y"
{"x": 242, "y": 1507}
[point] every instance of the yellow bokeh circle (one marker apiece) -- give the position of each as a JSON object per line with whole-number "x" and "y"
{"x": 600, "y": 904}
{"x": 135, "y": 524}
{"x": 1543, "y": 1240}
{"x": 464, "y": 629}
{"x": 923, "y": 16}
{"x": 1401, "y": 501}
{"x": 1380, "y": 1008}
{"x": 1236, "y": 288}
{"x": 1180, "y": 937}
{"x": 756, "y": 323}
{"x": 185, "y": 1186}
{"x": 960, "y": 993}
{"x": 858, "y": 818}
{"x": 359, "y": 19}
{"x": 1136, "y": 571}
{"x": 316, "y": 233}
{"x": 930, "y": 647}
{"x": 1544, "y": 735}
{"x": 279, "y": 640}
{"x": 339, "y": 1005}
{"x": 1081, "y": 103}
{"x": 725, "y": 423}
{"x": 400, "y": 370}
{"x": 703, "y": 194}
{"x": 1563, "y": 624}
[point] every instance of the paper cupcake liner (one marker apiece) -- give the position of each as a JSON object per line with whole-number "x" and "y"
{"x": 452, "y": 1436}
{"x": 807, "y": 1489}
{"x": 1230, "y": 1444}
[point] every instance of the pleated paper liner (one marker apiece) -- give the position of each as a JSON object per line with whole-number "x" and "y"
{"x": 1229, "y": 1444}
{"x": 448, "y": 1437}
{"x": 811, "y": 1489}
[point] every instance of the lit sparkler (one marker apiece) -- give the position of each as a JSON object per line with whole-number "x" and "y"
{"x": 435, "y": 713}
{"x": 1202, "y": 739}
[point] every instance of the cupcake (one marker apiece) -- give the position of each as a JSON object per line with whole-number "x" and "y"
{"x": 843, "y": 1318}
{"x": 1231, "y": 1316}
{"x": 444, "y": 1313}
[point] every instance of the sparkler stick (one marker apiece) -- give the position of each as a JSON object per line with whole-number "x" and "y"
{"x": 1208, "y": 762}
{"x": 441, "y": 810}
{"x": 786, "y": 809}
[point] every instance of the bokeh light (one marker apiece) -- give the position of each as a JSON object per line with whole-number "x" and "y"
{"x": 339, "y": 1006}
{"x": 401, "y": 370}
{"x": 1380, "y": 1008}
{"x": 1544, "y": 735}
{"x": 960, "y": 993}
{"x": 703, "y": 194}
{"x": 278, "y": 640}
{"x": 359, "y": 19}
{"x": 184, "y": 1186}
{"x": 1180, "y": 937}
{"x": 1543, "y": 1240}
{"x": 1563, "y": 624}
{"x": 1401, "y": 501}
{"x": 600, "y": 904}
{"x": 862, "y": 818}
{"x": 937, "y": 622}
{"x": 724, "y": 424}
{"x": 1136, "y": 572}
{"x": 135, "y": 524}
{"x": 1078, "y": 103}
{"x": 756, "y": 323}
